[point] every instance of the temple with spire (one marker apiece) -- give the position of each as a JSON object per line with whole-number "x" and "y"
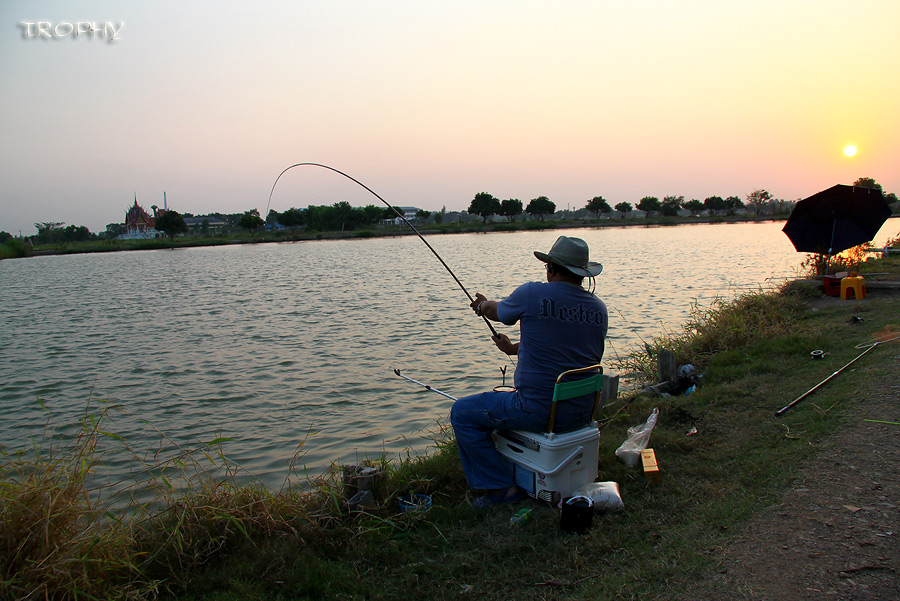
{"x": 139, "y": 224}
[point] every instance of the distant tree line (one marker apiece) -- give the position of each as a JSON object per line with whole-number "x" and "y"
{"x": 338, "y": 217}
{"x": 342, "y": 217}
{"x": 760, "y": 201}
{"x": 53, "y": 232}
{"x": 484, "y": 205}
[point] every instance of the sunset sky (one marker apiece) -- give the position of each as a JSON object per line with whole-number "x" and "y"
{"x": 429, "y": 103}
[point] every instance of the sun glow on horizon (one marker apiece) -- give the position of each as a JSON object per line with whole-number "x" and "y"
{"x": 850, "y": 150}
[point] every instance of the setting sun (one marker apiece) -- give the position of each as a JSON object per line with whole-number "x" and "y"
{"x": 850, "y": 151}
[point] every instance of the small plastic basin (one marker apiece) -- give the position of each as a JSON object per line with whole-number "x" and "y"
{"x": 410, "y": 503}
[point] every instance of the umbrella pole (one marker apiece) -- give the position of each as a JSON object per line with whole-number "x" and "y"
{"x": 830, "y": 246}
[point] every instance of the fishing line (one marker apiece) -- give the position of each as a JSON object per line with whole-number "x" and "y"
{"x": 609, "y": 341}
{"x": 399, "y": 214}
{"x": 632, "y": 328}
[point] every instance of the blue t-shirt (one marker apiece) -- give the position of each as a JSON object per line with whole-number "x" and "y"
{"x": 562, "y": 326}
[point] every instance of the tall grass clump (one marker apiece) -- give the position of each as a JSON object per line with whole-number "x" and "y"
{"x": 68, "y": 532}
{"x": 210, "y": 520}
{"x": 188, "y": 507}
{"x": 54, "y": 541}
{"x": 818, "y": 264}
{"x": 438, "y": 473}
{"x": 850, "y": 260}
{"x": 723, "y": 326}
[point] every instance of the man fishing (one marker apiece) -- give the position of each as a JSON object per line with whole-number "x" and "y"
{"x": 562, "y": 326}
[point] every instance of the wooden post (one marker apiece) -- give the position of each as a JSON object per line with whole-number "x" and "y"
{"x": 666, "y": 368}
{"x": 609, "y": 392}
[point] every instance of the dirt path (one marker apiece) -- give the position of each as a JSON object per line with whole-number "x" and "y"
{"x": 836, "y": 534}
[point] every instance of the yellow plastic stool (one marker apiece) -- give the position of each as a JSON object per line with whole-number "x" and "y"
{"x": 855, "y": 283}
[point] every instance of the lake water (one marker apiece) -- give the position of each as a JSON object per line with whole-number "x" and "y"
{"x": 269, "y": 343}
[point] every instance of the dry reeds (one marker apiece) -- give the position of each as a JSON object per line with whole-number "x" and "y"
{"x": 818, "y": 264}
{"x": 66, "y": 532}
{"x": 51, "y": 537}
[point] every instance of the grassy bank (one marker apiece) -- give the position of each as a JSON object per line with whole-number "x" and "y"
{"x": 722, "y": 451}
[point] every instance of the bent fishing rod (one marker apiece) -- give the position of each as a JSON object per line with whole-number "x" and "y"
{"x": 399, "y": 214}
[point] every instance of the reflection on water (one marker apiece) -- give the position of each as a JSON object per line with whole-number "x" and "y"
{"x": 269, "y": 343}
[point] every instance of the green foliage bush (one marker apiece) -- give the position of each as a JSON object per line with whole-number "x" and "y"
{"x": 13, "y": 249}
{"x": 539, "y": 225}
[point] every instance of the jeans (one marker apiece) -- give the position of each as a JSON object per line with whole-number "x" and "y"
{"x": 473, "y": 419}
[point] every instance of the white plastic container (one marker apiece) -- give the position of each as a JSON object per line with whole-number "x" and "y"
{"x": 550, "y": 467}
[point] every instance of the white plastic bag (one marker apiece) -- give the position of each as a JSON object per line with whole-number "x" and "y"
{"x": 638, "y": 438}
{"x": 605, "y": 495}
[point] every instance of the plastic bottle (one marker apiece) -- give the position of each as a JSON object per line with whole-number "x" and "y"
{"x": 522, "y": 517}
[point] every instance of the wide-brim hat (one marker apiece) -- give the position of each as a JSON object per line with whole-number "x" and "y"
{"x": 573, "y": 254}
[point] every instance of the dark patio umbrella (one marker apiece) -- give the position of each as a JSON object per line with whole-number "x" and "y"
{"x": 836, "y": 219}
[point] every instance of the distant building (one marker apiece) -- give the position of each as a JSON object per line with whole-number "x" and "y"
{"x": 138, "y": 223}
{"x": 207, "y": 225}
{"x": 409, "y": 213}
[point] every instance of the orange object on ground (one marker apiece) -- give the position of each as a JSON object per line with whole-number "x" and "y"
{"x": 651, "y": 468}
{"x": 855, "y": 283}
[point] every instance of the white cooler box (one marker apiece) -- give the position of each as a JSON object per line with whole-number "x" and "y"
{"x": 547, "y": 465}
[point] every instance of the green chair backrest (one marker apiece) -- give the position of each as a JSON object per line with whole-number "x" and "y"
{"x": 576, "y": 388}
